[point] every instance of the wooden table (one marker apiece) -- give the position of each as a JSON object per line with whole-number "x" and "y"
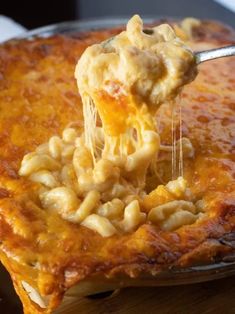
{"x": 204, "y": 298}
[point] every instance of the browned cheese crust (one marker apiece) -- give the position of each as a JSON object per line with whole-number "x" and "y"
{"x": 38, "y": 99}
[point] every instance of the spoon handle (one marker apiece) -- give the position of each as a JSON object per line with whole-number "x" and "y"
{"x": 215, "y": 53}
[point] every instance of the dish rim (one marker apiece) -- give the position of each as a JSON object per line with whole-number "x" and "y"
{"x": 90, "y": 24}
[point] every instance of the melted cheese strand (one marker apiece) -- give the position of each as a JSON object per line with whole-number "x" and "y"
{"x": 174, "y": 151}
{"x": 90, "y": 117}
{"x": 181, "y": 157}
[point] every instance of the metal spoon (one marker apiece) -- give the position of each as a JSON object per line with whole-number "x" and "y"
{"x": 202, "y": 56}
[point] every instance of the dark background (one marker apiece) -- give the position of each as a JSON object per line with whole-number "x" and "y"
{"x": 34, "y": 13}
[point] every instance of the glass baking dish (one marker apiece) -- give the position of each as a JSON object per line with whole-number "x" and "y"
{"x": 171, "y": 277}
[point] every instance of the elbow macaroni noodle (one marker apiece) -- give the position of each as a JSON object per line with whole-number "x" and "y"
{"x": 108, "y": 209}
{"x": 97, "y": 179}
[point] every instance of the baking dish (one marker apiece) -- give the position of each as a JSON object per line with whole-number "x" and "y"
{"x": 173, "y": 276}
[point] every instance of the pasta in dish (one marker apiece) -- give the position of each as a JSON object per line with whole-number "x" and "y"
{"x": 98, "y": 178}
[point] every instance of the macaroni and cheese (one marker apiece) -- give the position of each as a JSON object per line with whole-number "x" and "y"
{"x": 98, "y": 178}
{"x": 73, "y": 217}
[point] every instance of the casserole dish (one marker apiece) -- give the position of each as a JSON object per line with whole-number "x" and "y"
{"x": 210, "y": 257}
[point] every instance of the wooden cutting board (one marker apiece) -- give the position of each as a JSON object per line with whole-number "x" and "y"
{"x": 217, "y": 297}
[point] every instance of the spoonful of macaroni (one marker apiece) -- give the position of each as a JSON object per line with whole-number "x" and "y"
{"x": 125, "y": 80}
